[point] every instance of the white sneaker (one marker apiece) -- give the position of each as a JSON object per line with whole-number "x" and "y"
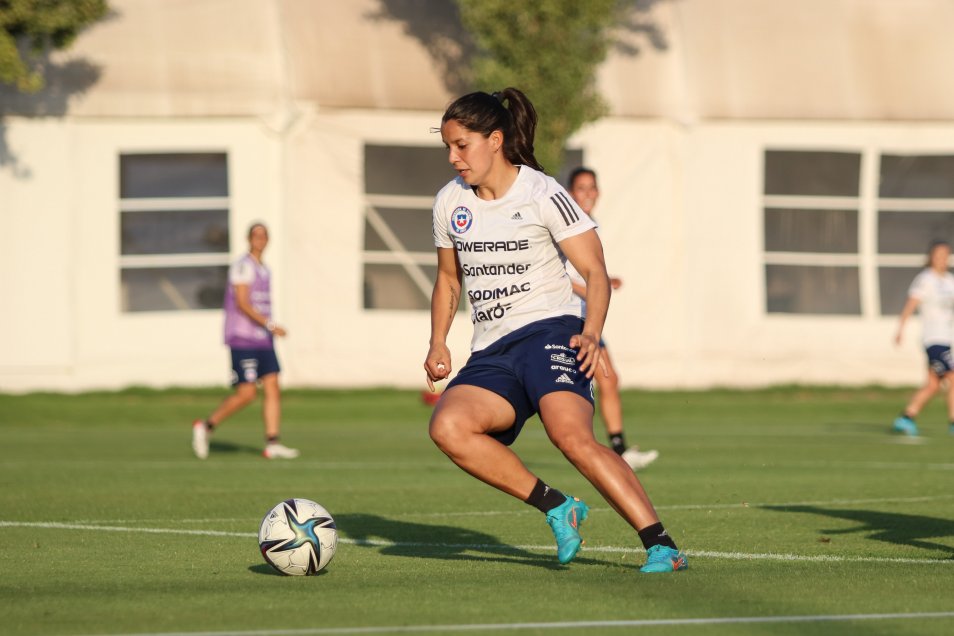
{"x": 200, "y": 439}
{"x": 279, "y": 451}
{"x": 638, "y": 459}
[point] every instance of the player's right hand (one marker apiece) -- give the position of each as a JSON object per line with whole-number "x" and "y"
{"x": 437, "y": 365}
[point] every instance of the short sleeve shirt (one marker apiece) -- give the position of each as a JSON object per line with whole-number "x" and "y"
{"x": 936, "y": 293}
{"x": 513, "y": 270}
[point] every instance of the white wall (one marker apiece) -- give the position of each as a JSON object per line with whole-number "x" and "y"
{"x": 682, "y": 218}
{"x": 682, "y": 225}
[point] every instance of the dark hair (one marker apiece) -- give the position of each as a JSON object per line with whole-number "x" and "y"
{"x": 484, "y": 113}
{"x": 578, "y": 172}
{"x": 251, "y": 228}
{"x": 934, "y": 245}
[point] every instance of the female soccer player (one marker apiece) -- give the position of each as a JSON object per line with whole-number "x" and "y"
{"x": 933, "y": 292}
{"x": 249, "y": 333}
{"x": 583, "y": 189}
{"x": 502, "y": 227}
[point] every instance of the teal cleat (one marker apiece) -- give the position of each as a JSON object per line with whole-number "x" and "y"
{"x": 565, "y": 522}
{"x": 662, "y": 558}
{"x": 905, "y": 425}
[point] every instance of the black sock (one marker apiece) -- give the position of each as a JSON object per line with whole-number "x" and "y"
{"x": 905, "y": 414}
{"x": 656, "y": 535}
{"x": 209, "y": 425}
{"x": 617, "y": 443}
{"x": 544, "y": 498}
{"x": 271, "y": 439}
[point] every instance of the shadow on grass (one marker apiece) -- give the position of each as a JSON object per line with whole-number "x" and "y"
{"x": 424, "y": 541}
{"x": 890, "y": 527}
{"x": 231, "y": 447}
{"x": 267, "y": 570}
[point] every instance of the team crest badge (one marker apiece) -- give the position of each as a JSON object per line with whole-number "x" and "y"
{"x": 462, "y": 219}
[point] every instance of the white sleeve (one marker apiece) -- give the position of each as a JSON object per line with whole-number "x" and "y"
{"x": 562, "y": 216}
{"x": 439, "y": 224}
{"x": 920, "y": 287}
{"x": 241, "y": 272}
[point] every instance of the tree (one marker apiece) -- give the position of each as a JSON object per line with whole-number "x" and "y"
{"x": 549, "y": 49}
{"x": 29, "y": 29}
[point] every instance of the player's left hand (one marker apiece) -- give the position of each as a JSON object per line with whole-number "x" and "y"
{"x": 590, "y": 354}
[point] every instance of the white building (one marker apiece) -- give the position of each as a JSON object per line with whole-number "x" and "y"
{"x": 771, "y": 175}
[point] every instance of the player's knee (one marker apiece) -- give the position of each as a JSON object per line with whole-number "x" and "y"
{"x": 444, "y": 431}
{"x": 573, "y": 443}
{"x": 607, "y": 382}
{"x": 246, "y": 392}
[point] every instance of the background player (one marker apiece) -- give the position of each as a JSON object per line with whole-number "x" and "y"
{"x": 933, "y": 292}
{"x": 249, "y": 333}
{"x": 584, "y": 190}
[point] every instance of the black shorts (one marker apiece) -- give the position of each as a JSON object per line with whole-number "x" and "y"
{"x": 527, "y": 364}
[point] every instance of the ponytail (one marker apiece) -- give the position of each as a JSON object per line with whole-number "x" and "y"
{"x": 485, "y": 113}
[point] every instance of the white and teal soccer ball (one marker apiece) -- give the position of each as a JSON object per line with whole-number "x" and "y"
{"x": 298, "y": 537}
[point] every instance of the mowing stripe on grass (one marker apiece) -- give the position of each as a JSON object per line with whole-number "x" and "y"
{"x": 732, "y": 556}
{"x": 491, "y": 627}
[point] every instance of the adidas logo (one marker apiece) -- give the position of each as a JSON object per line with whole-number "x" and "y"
{"x": 516, "y": 217}
{"x": 564, "y": 379}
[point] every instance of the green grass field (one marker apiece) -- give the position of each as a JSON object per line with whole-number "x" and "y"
{"x": 799, "y": 511}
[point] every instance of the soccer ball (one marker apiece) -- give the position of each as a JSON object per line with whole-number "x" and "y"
{"x": 298, "y": 537}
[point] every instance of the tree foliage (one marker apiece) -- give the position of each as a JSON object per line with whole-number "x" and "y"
{"x": 31, "y": 28}
{"x": 549, "y": 49}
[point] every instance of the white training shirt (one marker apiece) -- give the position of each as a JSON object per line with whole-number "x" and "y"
{"x": 936, "y": 293}
{"x": 514, "y": 273}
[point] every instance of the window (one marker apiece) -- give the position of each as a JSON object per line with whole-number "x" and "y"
{"x": 814, "y": 219}
{"x": 811, "y": 217}
{"x": 174, "y": 231}
{"x": 915, "y": 207}
{"x": 400, "y": 265}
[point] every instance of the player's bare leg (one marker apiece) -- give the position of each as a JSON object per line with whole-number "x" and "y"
{"x": 243, "y": 395}
{"x": 567, "y": 418}
{"x": 611, "y": 406}
{"x": 905, "y": 423}
{"x": 923, "y": 394}
{"x": 272, "y": 415}
{"x": 271, "y": 405}
{"x": 460, "y": 425}
{"x": 611, "y": 410}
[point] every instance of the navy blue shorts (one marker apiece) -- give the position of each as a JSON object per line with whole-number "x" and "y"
{"x": 527, "y": 364}
{"x": 939, "y": 359}
{"x": 248, "y": 365}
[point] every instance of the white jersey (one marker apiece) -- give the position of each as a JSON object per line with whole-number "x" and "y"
{"x": 514, "y": 273}
{"x": 936, "y": 293}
